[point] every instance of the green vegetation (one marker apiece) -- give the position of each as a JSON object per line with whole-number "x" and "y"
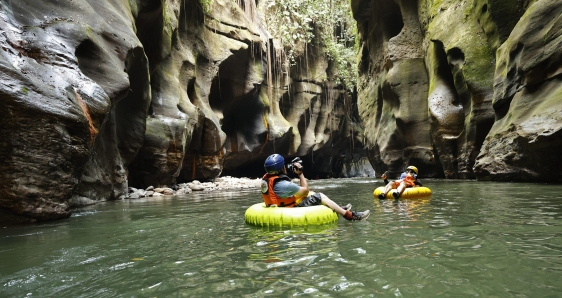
{"x": 206, "y": 5}
{"x": 328, "y": 23}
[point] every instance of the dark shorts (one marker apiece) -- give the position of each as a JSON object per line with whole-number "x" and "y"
{"x": 313, "y": 200}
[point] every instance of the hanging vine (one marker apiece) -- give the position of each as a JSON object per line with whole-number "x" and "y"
{"x": 296, "y": 23}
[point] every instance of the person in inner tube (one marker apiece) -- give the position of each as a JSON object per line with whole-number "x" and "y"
{"x": 409, "y": 178}
{"x": 278, "y": 189}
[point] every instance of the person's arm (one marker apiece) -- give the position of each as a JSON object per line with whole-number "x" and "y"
{"x": 384, "y": 177}
{"x": 285, "y": 189}
{"x": 303, "y": 190}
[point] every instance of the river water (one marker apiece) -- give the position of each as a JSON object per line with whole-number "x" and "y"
{"x": 470, "y": 239}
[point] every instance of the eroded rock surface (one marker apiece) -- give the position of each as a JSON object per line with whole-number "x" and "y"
{"x": 461, "y": 89}
{"x": 100, "y": 96}
{"x": 524, "y": 142}
{"x": 64, "y": 71}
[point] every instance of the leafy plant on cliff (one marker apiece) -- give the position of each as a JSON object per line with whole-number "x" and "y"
{"x": 297, "y": 23}
{"x": 206, "y": 5}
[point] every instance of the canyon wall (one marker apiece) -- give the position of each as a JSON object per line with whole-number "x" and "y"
{"x": 100, "y": 95}
{"x": 97, "y": 96}
{"x": 462, "y": 89}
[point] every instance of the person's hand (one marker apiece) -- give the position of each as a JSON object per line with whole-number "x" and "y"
{"x": 383, "y": 177}
{"x": 297, "y": 168}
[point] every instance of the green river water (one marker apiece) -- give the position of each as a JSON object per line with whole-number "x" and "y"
{"x": 470, "y": 239}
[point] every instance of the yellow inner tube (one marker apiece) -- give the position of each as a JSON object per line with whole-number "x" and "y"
{"x": 260, "y": 215}
{"x": 409, "y": 193}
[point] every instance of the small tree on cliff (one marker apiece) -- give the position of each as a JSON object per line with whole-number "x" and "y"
{"x": 294, "y": 24}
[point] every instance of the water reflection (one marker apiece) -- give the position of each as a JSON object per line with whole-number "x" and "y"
{"x": 468, "y": 239}
{"x": 275, "y": 244}
{"x": 407, "y": 209}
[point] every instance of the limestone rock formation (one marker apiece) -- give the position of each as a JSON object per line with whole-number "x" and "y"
{"x": 461, "y": 89}
{"x": 523, "y": 143}
{"x": 100, "y": 95}
{"x": 65, "y": 75}
{"x": 393, "y": 85}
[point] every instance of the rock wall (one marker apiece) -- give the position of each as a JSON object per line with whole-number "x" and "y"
{"x": 462, "y": 89}
{"x": 524, "y": 141}
{"x": 100, "y": 95}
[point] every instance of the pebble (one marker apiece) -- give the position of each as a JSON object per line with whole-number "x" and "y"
{"x": 221, "y": 183}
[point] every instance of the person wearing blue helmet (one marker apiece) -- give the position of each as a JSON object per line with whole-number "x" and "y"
{"x": 278, "y": 189}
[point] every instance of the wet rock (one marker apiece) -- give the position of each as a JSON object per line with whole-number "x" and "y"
{"x": 78, "y": 201}
{"x": 196, "y": 187}
{"x": 183, "y": 191}
{"x": 164, "y": 191}
{"x": 134, "y": 195}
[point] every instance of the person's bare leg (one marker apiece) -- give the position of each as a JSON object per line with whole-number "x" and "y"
{"x": 388, "y": 187}
{"x": 345, "y": 213}
{"x": 332, "y": 205}
{"x": 401, "y": 188}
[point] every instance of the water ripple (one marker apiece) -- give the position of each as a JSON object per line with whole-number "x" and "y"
{"x": 468, "y": 239}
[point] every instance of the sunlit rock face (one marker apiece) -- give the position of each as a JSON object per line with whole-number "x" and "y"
{"x": 524, "y": 142}
{"x": 393, "y": 86}
{"x": 101, "y": 95}
{"x": 325, "y": 126}
{"x": 68, "y": 72}
{"x": 443, "y": 84}
{"x": 204, "y": 69}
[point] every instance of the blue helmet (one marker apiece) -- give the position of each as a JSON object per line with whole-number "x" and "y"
{"x": 274, "y": 163}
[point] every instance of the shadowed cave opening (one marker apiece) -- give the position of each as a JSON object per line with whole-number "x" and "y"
{"x": 392, "y": 19}
{"x": 501, "y": 106}
{"x": 131, "y": 111}
{"x": 149, "y": 24}
{"x": 391, "y": 25}
{"x": 240, "y": 110}
{"x": 455, "y": 56}
{"x": 191, "y": 89}
{"x": 448, "y": 69}
{"x": 304, "y": 120}
{"x": 364, "y": 62}
{"x": 89, "y": 56}
{"x": 242, "y": 118}
{"x": 230, "y": 82}
{"x": 285, "y": 103}
{"x": 446, "y": 61}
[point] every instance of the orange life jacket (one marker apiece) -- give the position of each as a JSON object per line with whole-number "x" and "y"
{"x": 269, "y": 197}
{"x": 409, "y": 179}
